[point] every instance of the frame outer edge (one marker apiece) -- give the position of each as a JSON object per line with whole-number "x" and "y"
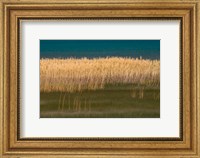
{"x": 188, "y": 14}
{"x": 1, "y": 79}
{"x": 198, "y": 75}
{"x": 97, "y": 1}
{"x": 197, "y": 22}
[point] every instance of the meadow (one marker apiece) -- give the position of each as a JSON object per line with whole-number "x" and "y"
{"x": 112, "y": 87}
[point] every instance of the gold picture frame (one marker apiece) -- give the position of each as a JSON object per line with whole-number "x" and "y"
{"x": 12, "y": 12}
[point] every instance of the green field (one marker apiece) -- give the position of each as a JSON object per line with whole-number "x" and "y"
{"x": 118, "y": 101}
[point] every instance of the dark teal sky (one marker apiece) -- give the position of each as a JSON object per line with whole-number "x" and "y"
{"x": 148, "y": 49}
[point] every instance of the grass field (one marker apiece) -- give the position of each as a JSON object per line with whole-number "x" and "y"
{"x": 99, "y": 88}
{"x": 69, "y": 75}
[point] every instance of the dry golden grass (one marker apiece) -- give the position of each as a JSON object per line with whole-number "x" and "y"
{"x": 70, "y": 74}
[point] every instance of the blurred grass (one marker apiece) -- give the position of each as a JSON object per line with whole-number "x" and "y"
{"x": 114, "y": 101}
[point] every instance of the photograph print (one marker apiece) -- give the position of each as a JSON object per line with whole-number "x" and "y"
{"x": 99, "y": 78}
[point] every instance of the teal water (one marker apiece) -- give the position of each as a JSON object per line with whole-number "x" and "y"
{"x": 147, "y": 49}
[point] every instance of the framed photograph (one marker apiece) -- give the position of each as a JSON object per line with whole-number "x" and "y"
{"x": 99, "y": 79}
{"x": 83, "y": 78}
